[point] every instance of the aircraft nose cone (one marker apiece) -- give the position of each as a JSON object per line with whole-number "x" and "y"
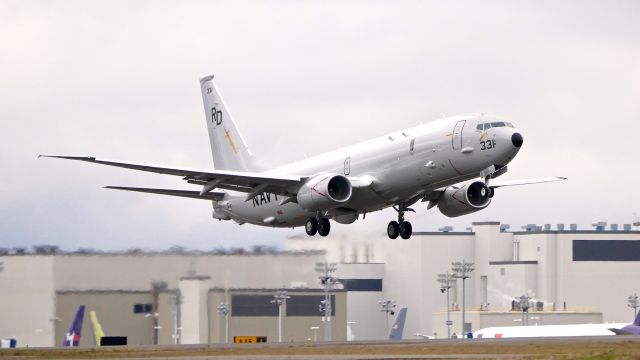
{"x": 516, "y": 140}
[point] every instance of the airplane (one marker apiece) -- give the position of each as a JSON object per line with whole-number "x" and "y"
{"x": 450, "y": 163}
{"x": 398, "y": 326}
{"x": 98, "y": 333}
{"x": 72, "y": 337}
{"x": 605, "y": 329}
{"x": 499, "y": 332}
{"x": 631, "y": 329}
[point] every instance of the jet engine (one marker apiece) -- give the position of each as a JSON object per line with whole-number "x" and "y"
{"x": 464, "y": 199}
{"x": 326, "y": 191}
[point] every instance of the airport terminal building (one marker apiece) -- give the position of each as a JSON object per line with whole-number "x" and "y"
{"x": 565, "y": 276}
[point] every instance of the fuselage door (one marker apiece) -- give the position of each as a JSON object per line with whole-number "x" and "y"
{"x": 456, "y": 139}
{"x": 347, "y": 165}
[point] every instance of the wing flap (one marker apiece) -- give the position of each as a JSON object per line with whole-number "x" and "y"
{"x": 212, "y": 195}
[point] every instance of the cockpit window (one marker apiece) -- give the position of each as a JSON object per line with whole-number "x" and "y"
{"x": 487, "y": 126}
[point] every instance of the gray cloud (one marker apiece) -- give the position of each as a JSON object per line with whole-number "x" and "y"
{"x": 118, "y": 79}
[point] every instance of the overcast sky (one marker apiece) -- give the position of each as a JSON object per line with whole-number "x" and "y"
{"x": 119, "y": 80}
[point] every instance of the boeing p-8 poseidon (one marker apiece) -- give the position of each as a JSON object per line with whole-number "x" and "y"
{"x": 450, "y": 163}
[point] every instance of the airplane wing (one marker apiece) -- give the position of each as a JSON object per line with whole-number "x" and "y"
{"x": 247, "y": 182}
{"x": 212, "y": 195}
{"x": 501, "y": 183}
{"x": 436, "y": 194}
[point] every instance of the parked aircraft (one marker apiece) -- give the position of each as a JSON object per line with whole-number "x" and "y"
{"x": 631, "y": 329}
{"x": 547, "y": 330}
{"x": 561, "y": 330}
{"x": 398, "y": 326}
{"x": 98, "y": 333}
{"x": 450, "y": 163}
{"x": 72, "y": 337}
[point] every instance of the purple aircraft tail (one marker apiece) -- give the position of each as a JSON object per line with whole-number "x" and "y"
{"x": 72, "y": 338}
{"x": 636, "y": 322}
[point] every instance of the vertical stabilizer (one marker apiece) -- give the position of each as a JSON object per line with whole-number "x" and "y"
{"x": 230, "y": 151}
{"x": 72, "y": 337}
{"x": 398, "y": 325}
{"x": 636, "y": 322}
{"x": 97, "y": 328}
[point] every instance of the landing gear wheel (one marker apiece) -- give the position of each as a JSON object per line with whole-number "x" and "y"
{"x": 324, "y": 227}
{"x": 491, "y": 192}
{"x": 393, "y": 229}
{"x": 311, "y": 227}
{"x": 406, "y": 230}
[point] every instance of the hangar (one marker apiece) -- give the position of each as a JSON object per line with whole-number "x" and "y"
{"x": 567, "y": 276}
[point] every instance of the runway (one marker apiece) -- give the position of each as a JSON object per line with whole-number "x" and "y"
{"x": 605, "y": 347}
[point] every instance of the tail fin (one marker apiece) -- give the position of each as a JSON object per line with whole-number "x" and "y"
{"x": 72, "y": 337}
{"x": 398, "y": 325}
{"x": 97, "y": 328}
{"x": 637, "y": 320}
{"x": 230, "y": 151}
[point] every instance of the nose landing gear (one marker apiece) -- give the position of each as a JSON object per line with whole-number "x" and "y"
{"x": 400, "y": 227}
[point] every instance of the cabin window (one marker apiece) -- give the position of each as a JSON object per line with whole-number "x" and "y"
{"x": 142, "y": 308}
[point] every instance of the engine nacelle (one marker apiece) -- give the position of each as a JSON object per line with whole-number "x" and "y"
{"x": 326, "y": 191}
{"x": 464, "y": 199}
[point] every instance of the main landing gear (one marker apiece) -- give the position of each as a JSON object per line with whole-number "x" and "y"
{"x": 322, "y": 226}
{"x": 400, "y": 227}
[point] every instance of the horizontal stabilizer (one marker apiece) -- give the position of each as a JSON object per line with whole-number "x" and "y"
{"x": 216, "y": 196}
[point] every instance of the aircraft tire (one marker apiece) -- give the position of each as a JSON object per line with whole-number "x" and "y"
{"x": 491, "y": 192}
{"x": 406, "y": 230}
{"x": 324, "y": 227}
{"x": 311, "y": 227}
{"x": 393, "y": 229}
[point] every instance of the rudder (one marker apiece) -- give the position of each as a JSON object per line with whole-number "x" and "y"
{"x": 229, "y": 150}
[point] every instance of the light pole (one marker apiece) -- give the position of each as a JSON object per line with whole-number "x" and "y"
{"x": 446, "y": 280}
{"x": 326, "y": 270}
{"x": 387, "y": 308}
{"x": 524, "y": 305}
{"x": 154, "y": 325}
{"x": 176, "y": 301}
{"x": 280, "y": 298}
{"x": 223, "y": 309}
{"x": 633, "y": 303}
{"x": 461, "y": 270}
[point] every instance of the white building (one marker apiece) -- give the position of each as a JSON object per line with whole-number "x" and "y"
{"x": 572, "y": 276}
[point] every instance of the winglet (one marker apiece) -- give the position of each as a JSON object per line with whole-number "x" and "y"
{"x": 83, "y": 158}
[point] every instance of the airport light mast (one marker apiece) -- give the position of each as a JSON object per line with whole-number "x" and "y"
{"x": 387, "y": 308}
{"x": 524, "y": 305}
{"x": 224, "y": 310}
{"x": 280, "y": 299}
{"x": 176, "y": 300}
{"x": 633, "y": 303}
{"x": 326, "y": 270}
{"x": 446, "y": 280}
{"x": 461, "y": 270}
